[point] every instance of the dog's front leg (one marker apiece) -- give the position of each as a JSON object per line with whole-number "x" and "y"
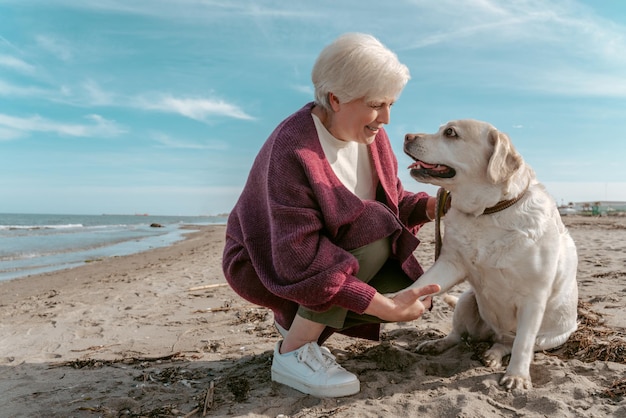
{"x": 529, "y": 319}
{"x": 445, "y": 272}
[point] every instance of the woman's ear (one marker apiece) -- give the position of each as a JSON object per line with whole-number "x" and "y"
{"x": 333, "y": 101}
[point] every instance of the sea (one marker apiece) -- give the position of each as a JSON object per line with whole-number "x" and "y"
{"x": 38, "y": 243}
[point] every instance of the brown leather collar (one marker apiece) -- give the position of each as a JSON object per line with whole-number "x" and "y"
{"x": 503, "y": 204}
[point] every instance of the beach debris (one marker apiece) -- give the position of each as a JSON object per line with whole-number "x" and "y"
{"x": 171, "y": 375}
{"x": 253, "y": 315}
{"x": 220, "y": 309}
{"x": 593, "y": 341}
{"x": 191, "y": 413}
{"x": 227, "y": 307}
{"x": 93, "y": 348}
{"x": 95, "y": 363}
{"x": 208, "y": 400}
{"x": 207, "y": 286}
{"x": 617, "y": 390}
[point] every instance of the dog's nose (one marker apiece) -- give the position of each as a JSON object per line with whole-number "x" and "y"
{"x": 409, "y": 138}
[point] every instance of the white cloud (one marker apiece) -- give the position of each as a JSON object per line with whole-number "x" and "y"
{"x": 90, "y": 94}
{"x": 560, "y": 47}
{"x": 9, "y": 134}
{"x": 573, "y": 82}
{"x": 200, "y": 109}
{"x": 306, "y": 89}
{"x": 7, "y": 90}
{"x": 16, "y": 64}
{"x": 96, "y": 96}
{"x": 199, "y": 10}
{"x": 57, "y": 47}
{"x": 103, "y": 127}
{"x": 169, "y": 142}
{"x": 23, "y": 126}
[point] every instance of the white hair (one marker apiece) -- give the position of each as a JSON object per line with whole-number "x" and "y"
{"x": 355, "y": 66}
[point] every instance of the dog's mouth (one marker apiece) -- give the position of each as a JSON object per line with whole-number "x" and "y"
{"x": 421, "y": 169}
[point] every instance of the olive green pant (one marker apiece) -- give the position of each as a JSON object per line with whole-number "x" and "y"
{"x": 375, "y": 268}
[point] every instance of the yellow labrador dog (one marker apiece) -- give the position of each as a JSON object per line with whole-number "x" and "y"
{"x": 504, "y": 235}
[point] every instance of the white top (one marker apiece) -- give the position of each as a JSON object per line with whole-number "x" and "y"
{"x": 350, "y": 161}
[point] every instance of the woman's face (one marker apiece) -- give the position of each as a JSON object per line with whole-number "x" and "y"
{"x": 359, "y": 120}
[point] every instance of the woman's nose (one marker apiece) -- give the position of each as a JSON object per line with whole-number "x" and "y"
{"x": 384, "y": 114}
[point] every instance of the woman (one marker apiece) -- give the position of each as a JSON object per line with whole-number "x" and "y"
{"x": 323, "y": 228}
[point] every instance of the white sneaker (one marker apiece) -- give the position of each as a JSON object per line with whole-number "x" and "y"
{"x": 313, "y": 370}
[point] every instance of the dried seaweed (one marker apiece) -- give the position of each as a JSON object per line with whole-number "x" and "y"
{"x": 250, "y": 316}
{"x": 617, "y": 390}
{"x": 95, "y": 363}
{"x": 593, "y": 341}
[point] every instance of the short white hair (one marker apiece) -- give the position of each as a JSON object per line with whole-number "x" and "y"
{"x": 355, "y": 66}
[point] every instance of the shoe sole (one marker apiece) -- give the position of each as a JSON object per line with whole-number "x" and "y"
{"x": 335, "y": 391}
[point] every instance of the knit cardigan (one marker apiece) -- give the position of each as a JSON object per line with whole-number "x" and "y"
{"x": 289, "y": 235}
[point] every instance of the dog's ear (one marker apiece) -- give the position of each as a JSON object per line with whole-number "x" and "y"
{"x": 505, "y": 160}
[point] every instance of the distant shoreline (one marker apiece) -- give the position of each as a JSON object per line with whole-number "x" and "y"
{"x": 33, "y": 243}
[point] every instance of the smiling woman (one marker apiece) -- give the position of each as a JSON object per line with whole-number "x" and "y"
{"x": 324, "y": 229}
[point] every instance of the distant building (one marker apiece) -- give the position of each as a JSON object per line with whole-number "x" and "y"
{"x": 597, "y": 208}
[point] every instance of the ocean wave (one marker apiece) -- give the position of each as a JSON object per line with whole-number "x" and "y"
{"x": 35, "y": 227}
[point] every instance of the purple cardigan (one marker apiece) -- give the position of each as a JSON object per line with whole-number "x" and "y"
{"x": 288, "y": 236}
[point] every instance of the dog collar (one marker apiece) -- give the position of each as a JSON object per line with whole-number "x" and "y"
{"x": 503, "y": 204}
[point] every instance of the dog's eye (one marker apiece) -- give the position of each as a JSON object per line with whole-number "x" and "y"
{"x": 450, "y": 132}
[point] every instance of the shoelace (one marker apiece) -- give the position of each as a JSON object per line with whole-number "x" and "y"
{"x": 317, "y": 358}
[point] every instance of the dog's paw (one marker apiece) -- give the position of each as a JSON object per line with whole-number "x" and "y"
{"x": 428, "y": 347}
{"x": 491, "y": 359}
{"x": 450, "y": 300}
{"x": 433, "y": 346}
{"x": 516, "y": 382}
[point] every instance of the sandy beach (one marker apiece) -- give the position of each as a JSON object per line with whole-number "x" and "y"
{"x": 160, "y": 334}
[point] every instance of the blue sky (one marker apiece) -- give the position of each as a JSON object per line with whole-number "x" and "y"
{"x": 155, "y": 106}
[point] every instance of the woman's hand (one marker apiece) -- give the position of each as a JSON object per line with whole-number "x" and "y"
{"x": 404, "y": 306}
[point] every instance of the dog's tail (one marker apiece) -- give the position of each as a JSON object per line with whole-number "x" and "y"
{"x": 450, "y": 300}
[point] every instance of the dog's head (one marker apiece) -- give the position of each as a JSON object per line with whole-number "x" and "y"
{"x": 463, "y": 153}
